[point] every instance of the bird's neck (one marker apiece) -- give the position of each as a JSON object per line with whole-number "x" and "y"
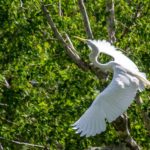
{"x": 94, "y": 59}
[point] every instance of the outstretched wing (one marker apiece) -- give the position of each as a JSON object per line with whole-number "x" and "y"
{"x": 119, "y": 58}
{"x": 109, "y": 104}
{"x": 106, "y": 48}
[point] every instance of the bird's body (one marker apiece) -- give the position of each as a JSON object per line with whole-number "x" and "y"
{"x": 117, "y": 96}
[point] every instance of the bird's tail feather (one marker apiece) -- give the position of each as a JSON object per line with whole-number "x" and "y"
{"x": 142, "y": 77}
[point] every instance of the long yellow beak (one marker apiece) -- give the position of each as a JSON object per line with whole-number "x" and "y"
{"x": 81, "y": 39}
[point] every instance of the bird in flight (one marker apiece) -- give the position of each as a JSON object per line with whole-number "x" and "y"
{"x": 117, "y": 96}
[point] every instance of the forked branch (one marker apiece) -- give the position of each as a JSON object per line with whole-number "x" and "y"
{"x": 68, "y": 47}
{"x": 110, "y": 20}
{"x": 59, "y": 8}
{"x": 71, "y": 51}
{"x": 24, "y": 143}
{"x": 121, "y": 125}
{"x": 127, "y": 138}
{"x": 85, "y": 19}
{"x": 144, "y": 114}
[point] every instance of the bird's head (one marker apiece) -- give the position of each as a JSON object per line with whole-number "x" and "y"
{"x": 91, "y": 43}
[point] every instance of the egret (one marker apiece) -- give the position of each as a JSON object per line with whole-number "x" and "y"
{"x": 114, "y": 100}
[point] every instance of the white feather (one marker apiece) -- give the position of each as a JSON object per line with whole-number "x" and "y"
{"x": 109, "y": 104}
{"x": 117, "y": 96}
{"x": 106, "y": 48}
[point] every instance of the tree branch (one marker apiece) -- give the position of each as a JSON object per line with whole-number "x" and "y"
{"x": 8, "y": 121}
{"x": 134, "y": 18}
{"x": 145, "y": 117}
{"x": 6, "y": 83}
{"x": 85, "y": 19}
{"x": 110, "y": 20}
{"x": 59, "y": 8}
{"x": 73, "y": 56}
{"x": 2, "y": 104}
{"x": 23, "y": 143}
{"x": 121, "y": 125}
{"x": 21, "y": 3}
{"x": 71, "y": 51}
{"x": 1, "y": 147}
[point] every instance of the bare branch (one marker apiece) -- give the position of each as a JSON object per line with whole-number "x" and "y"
{"x": 85, "y": 19}
{"x": 6, "y": 83}
{"x": 52, "y": 25}
{"x": 71, "y": 45}
{"x": 59, "y": 8}
{"x": 134, "y": 18}
{"x": 137, "y": 11}
{"x": 122, "y": 126}
{"x": 144, "y": 114}
{"x": 8, "y": 121}
{"x": 70, "y": 48}
{"x": 59, "y": 146}
{"x": 21, "y": 3}
{"x": 23, "y": 143}
{"x": 110, "y": 20}
{"x": 1, "y": 147}
{"x": 74, "y": 57}
{"x": 2, "y": 104}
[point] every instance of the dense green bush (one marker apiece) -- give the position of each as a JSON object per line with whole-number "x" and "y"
{"x": 43, "y": 91}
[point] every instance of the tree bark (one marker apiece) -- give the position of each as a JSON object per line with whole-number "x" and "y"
{"x": 71, "y": 51}
{"x": 85, "y": 19}
{"x": 121, "y": 124}
{"x": 110, "y": 20}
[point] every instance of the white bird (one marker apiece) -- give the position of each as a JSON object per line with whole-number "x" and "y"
{"x": 118, "y": 95}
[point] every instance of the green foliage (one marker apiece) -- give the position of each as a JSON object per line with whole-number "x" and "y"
{"x": 44, "y": 92}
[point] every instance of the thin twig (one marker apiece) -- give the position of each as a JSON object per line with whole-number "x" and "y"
{"x": 57, "y": 34}
{"x": 137, "y": 11}
{"x": 134, "y": 18}
{"x": 59, "y": 8}
{"x": 1, "y": 147}
{"x": 6, "y": 83}
{"x": 8, "y": 121}
{"x": 75, "y": 57}
{"x": 23, "y": 143}
{"x": 85, "y": 19}
{"x": 21, "y": 3}
{"x": 2, "y": 104}
{"x": 52, "y": 25}
{"x": 69, "y": 47}
{"x": 110, "y": 20}
{"x": 121, "y": 125}
{"x": 144, "y": 114}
